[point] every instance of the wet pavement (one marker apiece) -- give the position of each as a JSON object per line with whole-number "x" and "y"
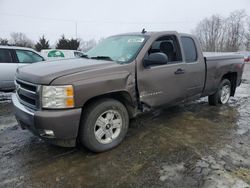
{"x": 192, "y": 145}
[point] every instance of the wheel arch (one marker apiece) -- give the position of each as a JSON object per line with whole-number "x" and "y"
{"x": 122, "y": 96}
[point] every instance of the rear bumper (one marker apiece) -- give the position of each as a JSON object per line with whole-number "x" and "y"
{"x": 63, "y": 123}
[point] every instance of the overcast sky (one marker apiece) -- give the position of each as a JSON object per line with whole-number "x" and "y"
{"x": 100, "y": 18}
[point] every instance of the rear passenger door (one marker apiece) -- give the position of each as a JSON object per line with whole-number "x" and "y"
{"x": 195, "y": 67}
{"x": 26, "y": 57}
{"x": 8, "y": 68}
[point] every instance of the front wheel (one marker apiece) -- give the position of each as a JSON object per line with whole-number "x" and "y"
{"x": 104, "y": 125}
{"x": 222, "y": 95}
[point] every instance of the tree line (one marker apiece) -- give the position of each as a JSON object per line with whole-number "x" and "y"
{"x": 216, "y": 34}
{"x": 20, "y": 39}
{"x": 224, "y": 34}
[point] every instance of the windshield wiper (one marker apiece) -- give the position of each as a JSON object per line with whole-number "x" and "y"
{"x": 102, "y": 57}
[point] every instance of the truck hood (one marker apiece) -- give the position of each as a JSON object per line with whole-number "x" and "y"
{"x": 46, "y": 72}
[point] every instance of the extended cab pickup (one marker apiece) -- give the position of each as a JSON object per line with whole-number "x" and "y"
{"x": 90, "y": 100}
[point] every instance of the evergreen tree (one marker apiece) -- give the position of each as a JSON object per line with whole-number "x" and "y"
{"x": 4, "y": 41}
{"x": 74, "y": 44}
{"x": 64, "y": 43}
{"x": 42, "y": 44}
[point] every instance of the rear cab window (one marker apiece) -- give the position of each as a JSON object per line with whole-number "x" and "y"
{"x": 25, "y": 56}
{"x": 5, "y": 56}
{"x": 189, "y": 48}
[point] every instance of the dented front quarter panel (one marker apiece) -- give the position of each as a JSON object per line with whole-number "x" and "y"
{"x": 97, "y": 82}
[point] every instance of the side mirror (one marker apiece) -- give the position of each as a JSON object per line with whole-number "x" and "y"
{"x": 155, "y": 59}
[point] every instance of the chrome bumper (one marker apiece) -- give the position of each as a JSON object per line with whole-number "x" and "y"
{"x": 22, "y": 113}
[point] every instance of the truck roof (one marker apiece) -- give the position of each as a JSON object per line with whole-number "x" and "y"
{"x": 150, "y": 33}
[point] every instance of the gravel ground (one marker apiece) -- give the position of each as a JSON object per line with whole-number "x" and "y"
{"x": 192, "y": 145}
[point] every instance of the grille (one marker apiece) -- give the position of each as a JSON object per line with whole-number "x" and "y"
{"x": 27, "y": 93}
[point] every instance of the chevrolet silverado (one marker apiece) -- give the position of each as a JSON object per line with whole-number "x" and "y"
{"x": 91, "y": 100}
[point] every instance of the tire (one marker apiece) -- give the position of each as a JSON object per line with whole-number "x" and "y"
{"x": 222, "y": 95}
{"x": 104, "y": 125}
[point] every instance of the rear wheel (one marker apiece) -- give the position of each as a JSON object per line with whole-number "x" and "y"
{"x": 104, "y": 125}
{"x": 222, "y": 95}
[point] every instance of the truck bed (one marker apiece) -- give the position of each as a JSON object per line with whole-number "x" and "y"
{"x": 217, "y": 64}
{"x": 211, "y": 56}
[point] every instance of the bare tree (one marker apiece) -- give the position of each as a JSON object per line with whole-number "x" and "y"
{"x": 234, "y": 30}
{"x": 20, "y": 39}
{"x": 223, "y": 34}
{"x": 210, "y": 33}
{"x": 247, "y": 36}
{"x": 87, "y": 45}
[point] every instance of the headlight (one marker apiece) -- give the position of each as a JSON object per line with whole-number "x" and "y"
{"x": 56, "y": 97}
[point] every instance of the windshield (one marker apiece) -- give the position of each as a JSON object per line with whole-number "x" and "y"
{"x": 121, "y": 48}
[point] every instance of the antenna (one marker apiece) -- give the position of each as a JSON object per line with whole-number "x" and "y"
{"x": 143, "y": 31}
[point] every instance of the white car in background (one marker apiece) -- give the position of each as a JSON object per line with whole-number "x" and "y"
{"x": 49, "y": 54}
{"x": 12, "y": 57}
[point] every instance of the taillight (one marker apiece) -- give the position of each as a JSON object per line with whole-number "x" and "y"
{"x": 247, "y": 59}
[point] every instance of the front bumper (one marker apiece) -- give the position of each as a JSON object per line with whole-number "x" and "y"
{"x": 63, "y": 123}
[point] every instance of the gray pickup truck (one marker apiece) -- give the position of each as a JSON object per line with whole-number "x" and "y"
{"x": 91, "y": 100}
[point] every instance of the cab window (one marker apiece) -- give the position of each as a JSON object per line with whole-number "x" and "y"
{"x": 189, "y": 49}
{"x": 168, "y": 45}
{"x": 5, "y": 56}
{"x": 25, "y": 56}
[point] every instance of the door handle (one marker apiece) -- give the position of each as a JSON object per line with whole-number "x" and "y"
{"x": 179, "y": 71}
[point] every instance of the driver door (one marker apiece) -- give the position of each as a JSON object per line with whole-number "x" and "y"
{"x": 163, "y": 84}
